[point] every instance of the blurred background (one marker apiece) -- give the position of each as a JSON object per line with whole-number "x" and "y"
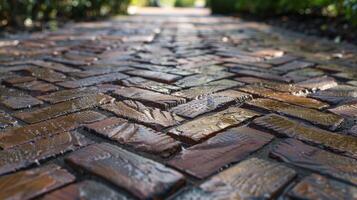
{"x": 335, "y": 17}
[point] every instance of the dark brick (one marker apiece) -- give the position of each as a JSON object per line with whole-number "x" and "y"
{"x": 294, "y": 65}
{"x": 37, "y": 86}
{"x": 338, "y": 94}
{"x": 346, "y": 110}
{"x": 140, "y": 176}
{"x": 281, "y": 59}
{"x": 156, "y": 76}
{"x": 150, "y": 85}
{"x": 107, "y": 78}
{"x": 46, "y": 74}
{"x": 15, "y": 99}
{"x": 318, "y": 83}
{"x": 6, "y": 121}
{"x": 200, "y": 79}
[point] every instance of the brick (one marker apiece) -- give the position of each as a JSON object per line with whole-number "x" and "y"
{"x": 324, "y": 119}
{"x": 29, "y": 133}
{"x": 208, "y": 88}
{"x": 156, "y": 76}
{"x": 210, "y": 103}
{"x": 85, "y": 190}
{"x": 200, "y": 79}
{"x": 230, "y": 146}
{"x": 312, "y": 158}
{"x": 107, "y": 78}
{"x": 135, "y": 135}
{"x": 54, "y": 66}
{"x": 303, "y": 74}
{"x": 251, "y": 179}
{"x": 31, "y": 153}
{"x": 281, "y": 59}
{"x": 281, "y": 87}
{"x": 142, "y": 177}
{"x": 37, "y": 86}
{"x": 150, "y": 98}
{"x": 285, "y": 97}
{"x": 15, "y": 99}
{"x": 153, "y": 117}
{"x": 294, "y": 65}
{"x": 150, "y": 85}
{"x": 319, "y": 187}
{"x": 158, "y": 68}
{"x": 338, "y": 94}
{"x": 94, "y": 70}
{"x": 46, "y": 74}
{"x": 346, "y": 75}
{"x": 19, "y": 79}
{"x": 6, "y": 121}
{"x": 206, "y": 126}
{"x": 290, "y": 128}
{"x": 318, "y": 83}
{"x": 346, "y": 110}
{"x": 32, "y": 183}
{"x": 63, "y": 108}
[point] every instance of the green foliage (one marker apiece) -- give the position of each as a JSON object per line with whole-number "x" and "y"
{"x": 184, "y": 3}
{"x": 17, "y": 12}
{"x": 346, "y": 8}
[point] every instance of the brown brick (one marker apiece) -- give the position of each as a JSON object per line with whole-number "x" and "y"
{"x": 150, "y": 85}
{"x": 346, "y": 110}
{"x": 156, "y": 76}
{"x": 15, "y": 99}
{"x": 200, "y": 79}
{"x": 289, "y": 128}
{"x": 324, "y": 119}
{"x": 208, "y": 88}
{"x": 294, "y": 65}
{"x": 6, "y": 121}
{"x": 312, "y": 158}
{"x": 262, "y": 75}
{"x": 32, "y": 132}
{"x": 85, "y": 190}
{"x": 281, "y": 59}
{"x": 209, "y": 103}
{"x": 318, "y": 83}
{"x": 251, "y": 179}
{"x": 37, "y": 86}
{"x": 286, "y": 97}
{"x": 63, "y": 108}
{"x": 93, "y": 80}
{"x": 140, "y": 176}
{"x": 54, "y": 66}
{"x": 338, "y": 94}
{"x": 319, "y": 187}
{"x": 153, "y": 117}
{"x": 46, "y": 74}
{"x": 135, "y": 135}
{"x": 201, "y": 128}
{"x": 231, "y": 146}
{"x": 304, "y": 74}
{"x": 19, "y": 79}
{"x": 32, "y": 183}
{"x": 30, "y": 153}
{"x": 150, "y": 98}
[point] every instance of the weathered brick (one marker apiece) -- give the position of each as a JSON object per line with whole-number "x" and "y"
{"x": 32, "y": 183}
{"x": 46, "y": 74}
{"x": 140, "y": 176}
{"x": 150, "y": 85}
{"x": 262, "y": 75}
{"x": 346, "y": 110}
{"x": 200, "y": 79}
{"x": 37, "y": 86}
{"x": 201, "y": 128}
{"x": 135, "y": 135}
{"x": 107, "y": 78}
{"x": 15, "y": 99}
{"x": 324, "y": 119}
{"x": 32, "y": 132}
{"x": 312, "y": 158}
{"x": 338, "y": 94}
{"x": 156, "y": 76}
{"x": 318, "y": 83}
{"x": 6, "y": 121}
{"x": 231, "y": 146}
{"x": 63, "y": 108}
{"x": 153, "y": 117}
{"x": 294, "y": 65}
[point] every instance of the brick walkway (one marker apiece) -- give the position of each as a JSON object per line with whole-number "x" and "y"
{"x": 183, "y": 108}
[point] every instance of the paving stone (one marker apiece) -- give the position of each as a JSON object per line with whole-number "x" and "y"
{"x": 206, "y": 126}
{"x": 65, "y": 95}
{"x": 346, "y": 110}
{"x": 318, "y": 83}
{"x": 285, "y": 97}
{"x": 19, "y": 79}
{"x": 312, "y": 158}
{"x": 85, "y": 190}
{"x": 262, "y": 75}
{"x": 29, "y": 133}
{"x": 63, "y": 108}
{"x": 289, "y": 128}
{"x": 251, "y": 179}
{"x": 156, "y": 76}
{"x": 15, "y": 99}
{"x": 231, "y": 146}
{"x": 54, "y": 66}
{"x": 32, "y": 183}
{"x": 324, "y": 119}
{"x": 46, "y": 74}
{"x": 210, "y": 103}
{"x": 303, "y": 74}
{"x": 31, "y": 153}
{"x": 93, "y": 80}
{"x": 150, "y": 85}
{"x": 346, "y": 75}
{"x": 94, "y": 70}
{"x": 200, "y": 79}
{"x": 207, "y": 89}
{"x": 37, "y": 86}
{"x": 353, "y": 83}
{"x": 142, "y": 177}
{"x": 6, "y": 121}
{"x": 319, "y": 187}
{"x": 153, "y": 117}
{"x": 294, "y": 65}
{"x": 281, "y": 60}
{"x": 158, "y": 68}
{"x": 135, "y": 135}
{"x": 150, "y": 98}
{"x": 338, "y": 94}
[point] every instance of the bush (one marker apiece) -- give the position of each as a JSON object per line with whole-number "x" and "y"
{"x": 17, "y": 12}
{"x": 184, "y": 3}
